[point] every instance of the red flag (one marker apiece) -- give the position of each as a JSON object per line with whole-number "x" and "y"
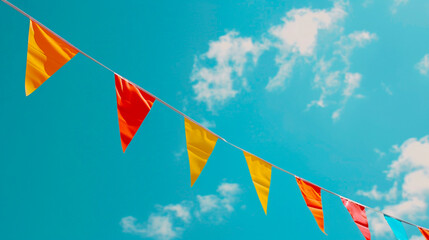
{"x": 425, "y": 233}
{"x": 133, "y": 106}
{"x": 313, "y": 199}
{"x": 359, "y": 216}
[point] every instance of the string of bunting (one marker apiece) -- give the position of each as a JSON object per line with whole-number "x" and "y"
{"x": 48, "y": 52}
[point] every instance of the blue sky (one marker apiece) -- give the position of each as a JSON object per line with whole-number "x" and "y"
{"x": 333, "y": 91}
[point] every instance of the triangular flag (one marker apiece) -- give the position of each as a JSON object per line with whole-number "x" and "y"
{"x": 313, "y": 199}
{"x": 425, "y": 233}
{"x": 133, "y": 106}
{"x": 200, "y": 144}
{"x": 46, "y": 54}
{"x": 260, "y": 171}
{"x": 359, "y": 216}
{"x": 397, "y": 228}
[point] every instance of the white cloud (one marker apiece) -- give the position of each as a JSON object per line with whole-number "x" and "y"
{"x": 181, "y": 211}
{"x": 228, "y": 190}
{"x": 352, "y": 82}
{"x": 285, "y": 70}
{"x": 396, "y": 4}
{"x": 297, "y": 37}
{"x": 347, "y": 44}
{"x": 391, "y": 195}
{"x": 215, "y": 84}
{"x": 423, "y": 65}
{"x": 380, "y": 153}
{"x": 366, "y": 3}
{"x": 233, "y": 49}
{"x": 178, "y": 155}
{"x": 216, "y": 207}
{"x": 158, "y": 227}
{"x": 412, "y": 208}
{"x": 415, "y": 237}
{"x": 219, "y": 73}
{"x": 208, "y": 203}
{"x": 128, "y": 224}
{"x": 224, "y": 201}
{"x": 372, "y": 194}
{"x": 336, "y": 114}
{"x": 208, "y": 124}
{"x": 328, "y": 80}
{"x": 298, "y": 33}
{"x": 360, "y": 38}
{"x": 378, "y": 225}
{"x": 411, "y": 170}
{"x": 170, "y": 221}
{"x": 413, "y": 154}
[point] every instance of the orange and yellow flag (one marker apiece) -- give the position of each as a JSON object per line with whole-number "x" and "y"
{"x": 200, "y": 144}
{"x": 46, "y": 54}
{"x": 313, "y": 199}
{"x": 260, "y": 171}
{"x": 425, "y": 233}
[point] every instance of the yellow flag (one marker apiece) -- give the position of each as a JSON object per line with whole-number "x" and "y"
{"x": 200, "y": 144}
{"x": 261, "y": 176}
{"x": 46, "y": 54}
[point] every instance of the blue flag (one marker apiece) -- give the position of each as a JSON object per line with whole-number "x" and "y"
{"x": 397, "y": 228}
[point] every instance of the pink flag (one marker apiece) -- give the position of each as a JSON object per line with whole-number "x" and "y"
{"x": 359, "y": 216}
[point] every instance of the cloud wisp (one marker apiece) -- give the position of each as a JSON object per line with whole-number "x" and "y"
{"x": 423, "y": 65}
{"x": 170, "y": 221}
{"x": 217, "y": 82}
{"x": 336, "y": 83}
{"x": 396, "y": 4}
{"x": 297, "y": 37}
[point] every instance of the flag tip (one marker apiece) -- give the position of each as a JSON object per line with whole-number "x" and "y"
{"x": 27, "y": 92}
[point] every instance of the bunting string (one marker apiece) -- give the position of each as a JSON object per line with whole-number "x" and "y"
{"x": 260, "y": 169}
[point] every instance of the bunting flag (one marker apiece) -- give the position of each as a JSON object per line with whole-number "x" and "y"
{"x": 200, "y": 144}
{"x": 313, "y": 199}
{"x": 46, "y": 54}
{"x": 133, "y": 107}
{"x": 397, "y": 228}
{"x": 260, "y": 171}
{"x": 425, "y": 233}
{"x": 359, "y": 216}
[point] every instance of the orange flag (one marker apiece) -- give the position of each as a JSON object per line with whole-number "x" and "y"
{"x": 260, "y": 171}
{"x": 133, "y": 107}
{"x": 425, "y": 233}
{"x": 46, "y": 54}
{"x": 200, "y": 144}
{"x": 313, "y": 199}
